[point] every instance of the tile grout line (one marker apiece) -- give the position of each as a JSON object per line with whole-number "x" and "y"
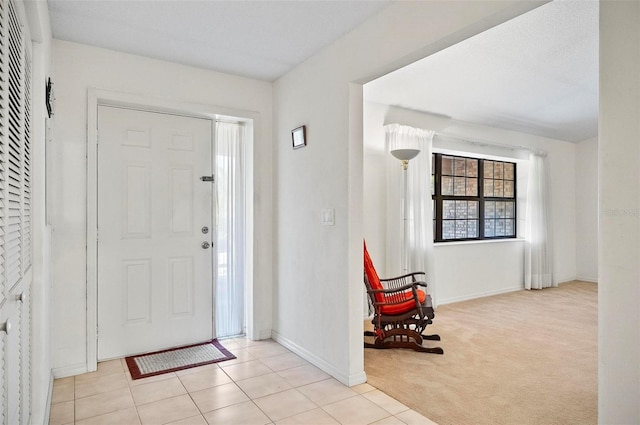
{"x": 130, "y": 387}
{"x": 243, "y": 391}
{"x": 277, "y": 392}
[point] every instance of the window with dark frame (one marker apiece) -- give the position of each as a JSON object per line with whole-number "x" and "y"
{"x": 473, "y": 198}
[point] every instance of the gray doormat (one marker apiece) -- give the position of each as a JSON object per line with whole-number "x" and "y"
{"x": 165, "y": 361}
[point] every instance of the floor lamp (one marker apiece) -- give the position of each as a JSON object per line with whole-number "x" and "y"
{"x": 405, "y": 155}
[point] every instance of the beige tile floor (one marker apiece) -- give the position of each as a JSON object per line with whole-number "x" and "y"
{"x": 265, "y": 384}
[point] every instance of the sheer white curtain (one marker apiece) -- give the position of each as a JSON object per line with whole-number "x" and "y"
{"x": 230, "y": 236}
{"x": 420, "y": 205}
{"x": 538, "y": 263}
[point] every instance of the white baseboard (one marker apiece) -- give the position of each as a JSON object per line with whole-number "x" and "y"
{"x": 47, "y": 408}
{"x": 587, "y": 279}
{"x": 347, "y": 379}
{"x": 564, "y": 279}
{"x": 63, "y": 372}
{"x": 265, "y": 334}
{"x": 479, "y": 295}
{"x": 43, "y": 414}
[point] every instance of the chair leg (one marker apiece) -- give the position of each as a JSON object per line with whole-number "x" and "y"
{"x": 434, "y": 337}
{"x": 403, "y": 338}
{"x": 412, "y": 345}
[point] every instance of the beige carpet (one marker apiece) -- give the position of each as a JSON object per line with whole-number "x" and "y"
{"x": 527, "y": 357}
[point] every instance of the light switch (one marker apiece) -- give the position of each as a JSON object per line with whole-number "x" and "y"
{"x": 328, "y": 217}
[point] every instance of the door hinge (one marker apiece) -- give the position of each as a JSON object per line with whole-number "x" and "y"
{"x": 208, "y": 178}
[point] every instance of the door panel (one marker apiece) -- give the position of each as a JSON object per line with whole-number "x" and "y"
{"x": 16, "y": 350}
{"x": 154, "y": 277}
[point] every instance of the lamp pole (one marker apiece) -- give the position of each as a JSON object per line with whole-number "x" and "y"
{"x": 405, "y": 155}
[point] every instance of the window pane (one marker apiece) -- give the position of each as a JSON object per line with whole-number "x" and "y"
{"x": 497, "y": 170}
{"x": 510, "y": 209}
{"x": 508, "y": 189}
{"x": 461, "y": 209}
{"x": 488, "y": 169}
{"x": 472, "y": 168}
{"x": 489, "y": 228}
{"x": 447, "y": 185}
{"x": 473, "y": 209}
{"x": 488, "y": 187}
{"x": 461, "y": 229}
{"x": 490, "y": 209}
{"x": 448, "y": 210}
{"x": 509, "y": 171}
{"x": 497, "y": 188}
{"x": 462, "y": 195}
{"x": 448, "y": 229}
{"x": 447, "y": 166}
{"x": 472, "y": 187}
{"x": 459, "y": 165}
{"x": 510, "y": 228}
{"x": 500, "y": 210}
{"x": 472, "y": 228}
{"x": 459, "y": 187}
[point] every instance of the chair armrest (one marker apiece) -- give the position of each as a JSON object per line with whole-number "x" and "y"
{"x": 402, "y": 288}
{"x": 412, "y": 275}
{"x": 392, "y": 295}
{"x": 401, "y": 283}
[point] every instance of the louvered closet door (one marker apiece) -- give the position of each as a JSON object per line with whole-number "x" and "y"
{"x": 15, "y": 215}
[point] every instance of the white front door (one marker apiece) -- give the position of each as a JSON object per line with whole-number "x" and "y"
{"x": 154, "y": 273}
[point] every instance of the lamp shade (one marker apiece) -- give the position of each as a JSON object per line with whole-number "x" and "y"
{"x": 405, "y": 154}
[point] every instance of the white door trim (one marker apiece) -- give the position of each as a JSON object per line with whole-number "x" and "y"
{"x": 97, "y": 97}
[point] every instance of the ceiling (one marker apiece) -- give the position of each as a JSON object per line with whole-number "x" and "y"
{"x": 536, "y": 74}
{"x": 258, "y": 39}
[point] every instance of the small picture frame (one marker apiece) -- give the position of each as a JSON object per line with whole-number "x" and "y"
{"x": 299, "y": 137}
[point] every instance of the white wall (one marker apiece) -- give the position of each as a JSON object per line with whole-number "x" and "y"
{"x": 619, "y": 215}
{"x": 318, "y": 300}
{"x": 587, "y": 210}
{"x": 465, "y": 270}
{"x": 374, "y": 218}
{"x": 77, "y": 68}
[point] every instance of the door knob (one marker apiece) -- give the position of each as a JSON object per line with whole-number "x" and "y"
{"x": 205, "y": 245}
{"x": 21, "y": 297}
{"x": 5, "y": 327}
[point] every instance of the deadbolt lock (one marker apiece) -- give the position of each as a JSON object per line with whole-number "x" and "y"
{"x": 205, "y": 229}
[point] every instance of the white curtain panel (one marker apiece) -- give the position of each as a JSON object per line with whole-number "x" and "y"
{"x": 538, "y": 261}
{"x": 230, "y": 234}
{"x": 420, "y": 204}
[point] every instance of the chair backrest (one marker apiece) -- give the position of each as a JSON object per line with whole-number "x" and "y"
{"x": 372, "y": 276}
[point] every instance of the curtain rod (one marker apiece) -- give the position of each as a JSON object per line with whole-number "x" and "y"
{"x": 484, "y": 143}
{"x": 229, "y": 121}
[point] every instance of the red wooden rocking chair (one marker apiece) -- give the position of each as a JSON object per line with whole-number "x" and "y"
{"x": 401, "y": 311}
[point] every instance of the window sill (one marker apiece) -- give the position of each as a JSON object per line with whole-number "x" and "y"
{"x": 438, "y": 244}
